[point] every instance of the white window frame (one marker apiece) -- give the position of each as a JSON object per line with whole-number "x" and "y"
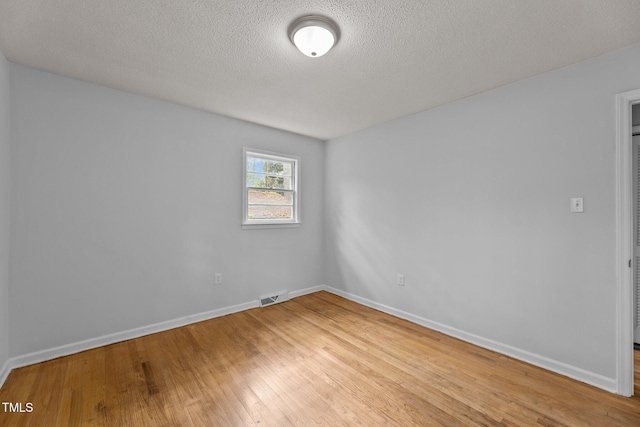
{"x": 248, "y": 223}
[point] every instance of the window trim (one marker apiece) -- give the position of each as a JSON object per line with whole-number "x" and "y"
{"x": 295, "y": 177}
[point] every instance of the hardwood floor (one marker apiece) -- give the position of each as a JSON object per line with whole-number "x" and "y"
{"x": 315, "y": 360}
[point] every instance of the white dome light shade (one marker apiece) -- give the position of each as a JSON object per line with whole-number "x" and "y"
{"x": 313, "y": 41}
{"x": 313, "y": 35}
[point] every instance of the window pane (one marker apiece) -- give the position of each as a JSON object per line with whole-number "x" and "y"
{"x": 278, "y": 182}
{"x": 278, "y": 168}
{"x": 270, "y": 212}
{"x": 255, "y": 180}
{"x": 264, "y": 197}
{"x": 271, "y": 167}
{"x": 253, "y": 164}
{"x": 268, "y": 181}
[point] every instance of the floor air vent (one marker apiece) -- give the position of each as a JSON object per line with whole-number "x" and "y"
{"x": 274, "y": 299}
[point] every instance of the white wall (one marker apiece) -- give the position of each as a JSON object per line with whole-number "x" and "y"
{"x": 4, "y": 213}
{"x": 471, "y": 202}
{"x": 124, "y": 207}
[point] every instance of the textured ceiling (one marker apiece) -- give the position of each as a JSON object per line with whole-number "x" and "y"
{"x": 233, "y": 57}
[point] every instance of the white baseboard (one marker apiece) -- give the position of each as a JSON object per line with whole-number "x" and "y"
{"x": 597, "y": 380}
{"x": 294, "y": 294}
{"x": 67, "y": 349}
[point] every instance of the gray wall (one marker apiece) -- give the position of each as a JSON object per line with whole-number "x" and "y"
{"x": 4, "y": 211}
{"x": 471, "y": 202}
{"x": 124, "y": 207}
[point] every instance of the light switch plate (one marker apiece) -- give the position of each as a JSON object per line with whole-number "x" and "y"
{"x": 577, "y": 204}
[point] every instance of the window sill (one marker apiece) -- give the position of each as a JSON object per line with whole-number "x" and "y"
{"x": 262, "y": 226}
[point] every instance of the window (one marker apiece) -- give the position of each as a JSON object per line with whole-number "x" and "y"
{"x": 270, "y": 190}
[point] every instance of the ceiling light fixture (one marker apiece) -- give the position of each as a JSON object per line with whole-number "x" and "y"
{"x": 313, "y": 35}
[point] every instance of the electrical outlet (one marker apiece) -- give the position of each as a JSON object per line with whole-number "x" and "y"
{"x": 400, "y": 279}
{"x": 218, "y": 279}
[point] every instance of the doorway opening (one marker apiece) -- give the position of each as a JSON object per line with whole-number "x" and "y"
{"x": 635, "y": 141}
{"x": 625, "y": 242}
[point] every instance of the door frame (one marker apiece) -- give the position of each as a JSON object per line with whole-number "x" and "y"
{"x": 624, "y": 242}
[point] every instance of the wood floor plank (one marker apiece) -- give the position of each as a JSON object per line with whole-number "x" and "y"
{"x": 315, "y": 360}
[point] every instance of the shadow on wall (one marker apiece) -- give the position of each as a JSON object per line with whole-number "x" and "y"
{"x": 362, "y": 257}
